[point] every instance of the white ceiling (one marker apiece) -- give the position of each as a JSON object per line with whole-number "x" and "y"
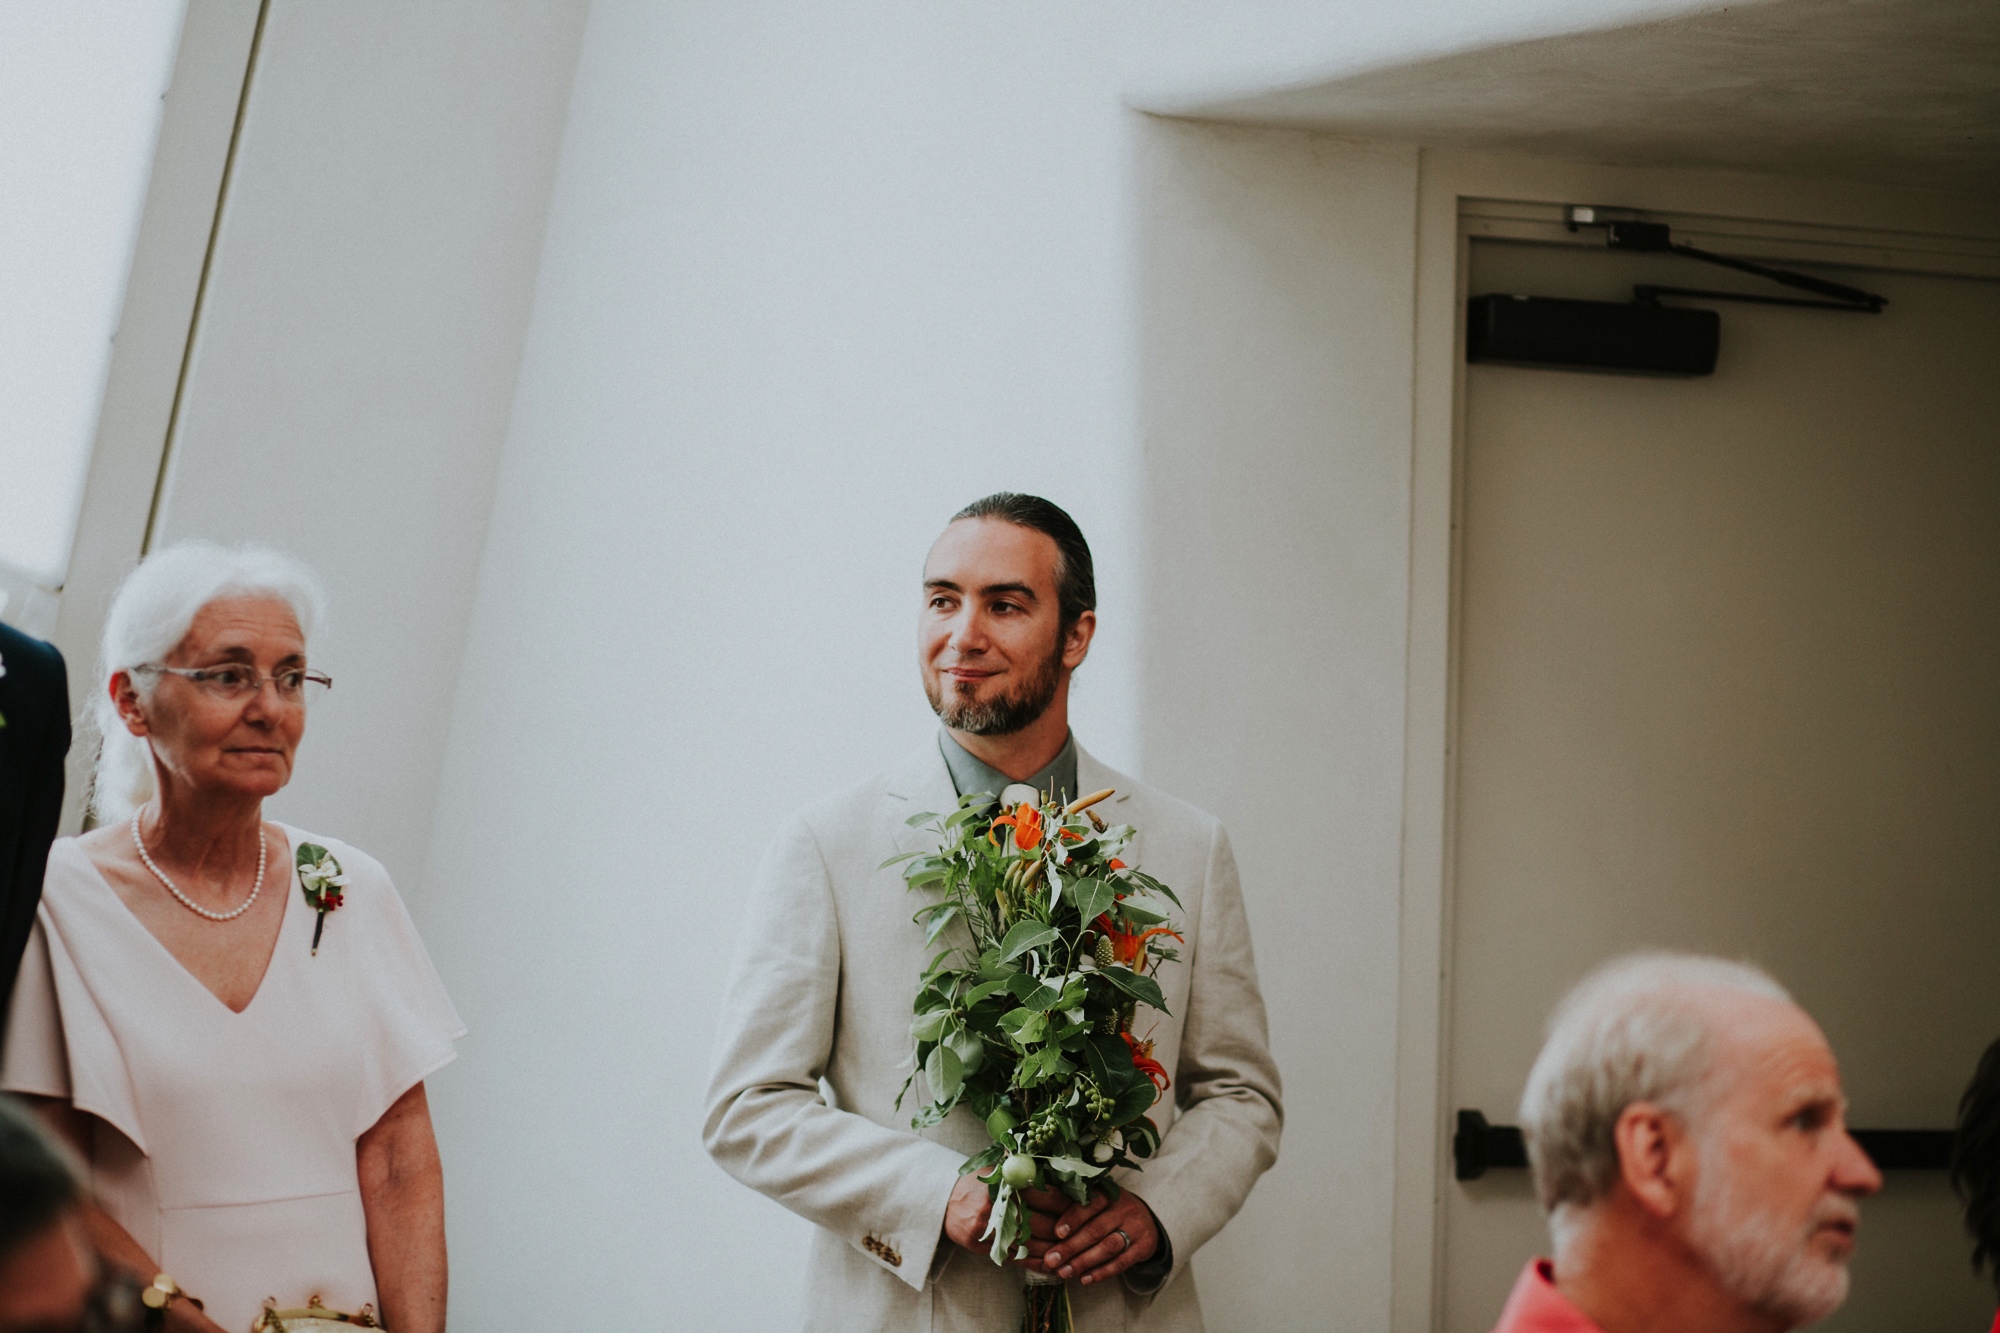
{"x": 1897, "y": 91}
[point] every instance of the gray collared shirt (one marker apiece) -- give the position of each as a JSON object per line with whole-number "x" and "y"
{"x": 969, "y": 773}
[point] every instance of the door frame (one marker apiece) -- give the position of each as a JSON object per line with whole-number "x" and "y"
{"x": 1910, "y": 229}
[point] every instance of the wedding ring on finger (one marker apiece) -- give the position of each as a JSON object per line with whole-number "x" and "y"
{"x": 1120, "y": 1233}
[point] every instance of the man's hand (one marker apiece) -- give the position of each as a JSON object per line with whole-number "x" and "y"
{"x": 1094, "y": 1241}
{"x": 966, "y": 1213}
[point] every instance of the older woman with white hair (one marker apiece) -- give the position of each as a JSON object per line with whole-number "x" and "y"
{"x": 230, "y": 1019}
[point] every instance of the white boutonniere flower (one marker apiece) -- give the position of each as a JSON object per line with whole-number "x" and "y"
{"x": 323, "y": 882}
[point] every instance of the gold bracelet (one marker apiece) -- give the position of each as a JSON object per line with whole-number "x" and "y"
{"x": 163, "y": 1290}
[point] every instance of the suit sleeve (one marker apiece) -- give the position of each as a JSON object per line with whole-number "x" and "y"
{"x": 768, "y": 1123}
{"x": 42, "y": 694}
{"x": 1227, "y": 1085}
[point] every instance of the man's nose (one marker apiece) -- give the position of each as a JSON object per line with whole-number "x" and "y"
{"x": 968, "y": 634}
{"x": 1853, "y": 1172}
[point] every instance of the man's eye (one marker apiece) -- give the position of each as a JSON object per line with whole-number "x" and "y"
{"x": 228, "y": 676}
{"x": 1809, "y": 1120}
{"x": 291, "y": 680}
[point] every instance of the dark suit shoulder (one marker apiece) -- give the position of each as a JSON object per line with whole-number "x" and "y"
{"x": 33, "y": 667}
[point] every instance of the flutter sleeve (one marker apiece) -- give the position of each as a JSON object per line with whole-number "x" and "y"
{"x": 33, "y": 1056}
{"x": 406, "y": 1022}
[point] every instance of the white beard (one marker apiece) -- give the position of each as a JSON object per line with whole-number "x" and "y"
{"x": 1767, "y": 1264}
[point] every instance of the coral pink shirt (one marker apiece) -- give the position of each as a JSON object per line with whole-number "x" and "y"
{"x": 1535, "y": 1306}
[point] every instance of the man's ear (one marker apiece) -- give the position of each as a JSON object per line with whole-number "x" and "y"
{"x": 1652, "y": 1145}
{"x": 1076, "y": 644}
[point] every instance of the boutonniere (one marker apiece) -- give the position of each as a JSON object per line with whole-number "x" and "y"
{"x": 323, "y": 881}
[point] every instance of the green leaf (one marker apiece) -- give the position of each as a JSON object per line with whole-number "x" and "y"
{"x": 939, "y": 922}
{"x": 1024, "y": 936}
{"x": 1093, "y": 898}
{"x": 984, "y": 989}
{"x": 1140, "y": 916}
{"x": 928, "y": 1026}
{"x": 983, "y": 1159}
{"x": 1134, "y": 1101}
{"x": 920, "y": 817}
{"x": 1025, "y": 1025}
{"x": 1074, "y": 1167}
{"x": 944, "y": 1073}
{"x": 895, "y": 859}
{"x": 1044, "y": 998}
{"x": 1157, "y": 887}
{"x": 1143, "y": 989}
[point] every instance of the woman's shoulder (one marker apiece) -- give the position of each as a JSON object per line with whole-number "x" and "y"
{"x": 365, "y": 878}
{"x": 352, "y": 859}
{"x": 73, "y": 862}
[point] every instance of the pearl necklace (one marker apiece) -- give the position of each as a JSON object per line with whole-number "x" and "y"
{"x": 189, "y": 903}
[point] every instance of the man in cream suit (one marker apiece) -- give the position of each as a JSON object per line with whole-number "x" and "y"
{"x": 814, "y": 1041}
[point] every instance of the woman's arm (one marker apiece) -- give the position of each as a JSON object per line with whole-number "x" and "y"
{"x": 402, "y": 1193}
{"x": 113, "y": 1243}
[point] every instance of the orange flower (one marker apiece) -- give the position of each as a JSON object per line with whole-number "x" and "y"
{"x": 1117, "y": 864}
{"x": 1143, "y": 1061}
{"x": 1129, "y": 950}
{"x": 1069, "y": 835}
{"x": 1027, "y": 823}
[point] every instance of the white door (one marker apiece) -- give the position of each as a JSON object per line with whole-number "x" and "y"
{"x": 1729, "y": 681}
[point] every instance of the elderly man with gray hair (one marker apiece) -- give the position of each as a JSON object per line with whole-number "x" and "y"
{"x": 1688, "y": 1133}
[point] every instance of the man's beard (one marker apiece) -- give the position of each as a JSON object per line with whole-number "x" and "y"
{"x": 1770, "y": 1265}
{"x": 1001, "y": 716}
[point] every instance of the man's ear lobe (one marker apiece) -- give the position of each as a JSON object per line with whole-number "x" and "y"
{"x": 1648, "y": 1140}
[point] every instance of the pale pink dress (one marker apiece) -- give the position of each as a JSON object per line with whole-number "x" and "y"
{"x": 225, "y": 1141}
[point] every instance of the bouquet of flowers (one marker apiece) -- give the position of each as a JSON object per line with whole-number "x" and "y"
{"x": 1030, "y": 1023}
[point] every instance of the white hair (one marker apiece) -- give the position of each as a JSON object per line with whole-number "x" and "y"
{"x": 149, "y": 617}
{"x": 1632, "y": 1031}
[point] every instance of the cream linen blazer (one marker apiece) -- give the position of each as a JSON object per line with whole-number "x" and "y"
{"x": 814, "y": 1041}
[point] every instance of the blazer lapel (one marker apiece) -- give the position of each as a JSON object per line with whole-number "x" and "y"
{"x": 920, "y": 783}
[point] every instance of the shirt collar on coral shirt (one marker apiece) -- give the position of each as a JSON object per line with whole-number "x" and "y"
{"x": 1537, "y": 1307}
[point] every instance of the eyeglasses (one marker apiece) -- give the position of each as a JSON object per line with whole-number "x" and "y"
{"x": 238, "y": 683}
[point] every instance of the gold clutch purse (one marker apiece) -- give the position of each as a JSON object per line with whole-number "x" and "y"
{"x": 314, "y": 1318}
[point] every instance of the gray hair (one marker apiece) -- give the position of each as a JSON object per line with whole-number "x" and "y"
{"x": 149, "y": 617}
{"x": 1631, "y": 1031}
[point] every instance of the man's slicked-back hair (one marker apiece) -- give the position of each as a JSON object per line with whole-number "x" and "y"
{"x": 1076, "y": 577}
{"x": 1634, "y": 1030}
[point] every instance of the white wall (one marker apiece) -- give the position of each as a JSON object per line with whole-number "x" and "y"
{"x": 810, "y": 283}
{"x": 80, "y": 95}
{"x": 1279, "y": 283}
{"x": 360, "y": 335}
{"x": 794, "y": 310}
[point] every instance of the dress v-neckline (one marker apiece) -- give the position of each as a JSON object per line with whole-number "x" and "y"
{"x": 270, "y": 961}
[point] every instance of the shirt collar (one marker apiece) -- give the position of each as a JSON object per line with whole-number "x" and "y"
{"x": 1536, "y": 1306}
{"x": 969, "y": 773}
